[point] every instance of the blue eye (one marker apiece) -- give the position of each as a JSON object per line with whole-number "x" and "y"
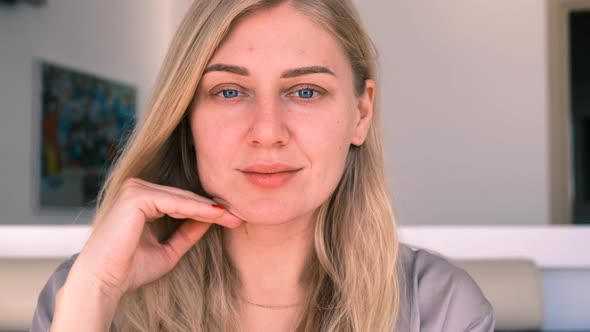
{"x": 306, "y": 93}
{"x": 229, "y": 93}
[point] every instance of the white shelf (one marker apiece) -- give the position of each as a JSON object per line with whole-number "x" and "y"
{"x": 560, "y": 247}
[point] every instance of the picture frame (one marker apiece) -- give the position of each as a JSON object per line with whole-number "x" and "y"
{"x": 84, "y": 120}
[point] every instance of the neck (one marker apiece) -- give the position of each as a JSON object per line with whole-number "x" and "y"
{"x": 271, "y": 260}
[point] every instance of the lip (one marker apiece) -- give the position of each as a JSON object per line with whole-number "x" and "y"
{"x": 267, "y": 168}
{"x": 270, "y": 175}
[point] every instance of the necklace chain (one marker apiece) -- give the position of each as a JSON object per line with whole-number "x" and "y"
{"x": 266, "y": 306}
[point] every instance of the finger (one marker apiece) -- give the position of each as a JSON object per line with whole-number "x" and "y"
{"x": 184, "y": 238}
{"x": 172, "y": 190}
{"x": 155, "y": 204}
{"x": 229, "y": 220}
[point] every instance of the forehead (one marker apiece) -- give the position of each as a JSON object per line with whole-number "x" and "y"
{"x": 280, "y": 37}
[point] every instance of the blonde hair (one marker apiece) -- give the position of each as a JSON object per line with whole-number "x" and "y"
{"x": 354, "y": 271}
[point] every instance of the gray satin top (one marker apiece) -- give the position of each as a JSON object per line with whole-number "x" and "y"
{"x": 439, "y": 297}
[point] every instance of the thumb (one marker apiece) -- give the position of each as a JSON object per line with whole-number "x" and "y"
{"x": 189, "y": 233}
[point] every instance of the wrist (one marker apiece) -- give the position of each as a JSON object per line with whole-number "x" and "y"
{"x": 84, "y": 303}
{"x": 84, "y": 275}
{"x": 91, "y": 287}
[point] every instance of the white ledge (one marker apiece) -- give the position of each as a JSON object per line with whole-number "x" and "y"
{"x": 549, "y": 246}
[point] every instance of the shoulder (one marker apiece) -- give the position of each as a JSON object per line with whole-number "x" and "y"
{"x": 440, "y": 296}
{"x": 46, "y": 302}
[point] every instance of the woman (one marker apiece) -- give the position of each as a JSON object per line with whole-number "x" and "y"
{"x": 251, "y": 198}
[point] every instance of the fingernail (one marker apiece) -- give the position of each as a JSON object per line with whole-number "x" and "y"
{"x": 217, "y": 206}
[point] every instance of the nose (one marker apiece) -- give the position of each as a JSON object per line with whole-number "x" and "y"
{"x": 267, "y": 124}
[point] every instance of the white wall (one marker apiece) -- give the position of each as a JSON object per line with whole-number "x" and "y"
{"x": 465, "y": 108}
{"x": 120, "y": 40}
{"x": 179, "y": 9}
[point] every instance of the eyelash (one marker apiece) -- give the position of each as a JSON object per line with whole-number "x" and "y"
{"x": 223, "y": 90}
{"x": 317, "y": 92}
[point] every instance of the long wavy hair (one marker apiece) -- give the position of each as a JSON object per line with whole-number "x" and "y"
{"x": 354, "y": 271}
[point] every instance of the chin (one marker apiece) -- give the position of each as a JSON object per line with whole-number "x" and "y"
{"x": 268, "y": 211}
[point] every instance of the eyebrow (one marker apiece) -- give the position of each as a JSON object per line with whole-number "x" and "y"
{"x": 227, "y": 68}
{"x": 306, "y": 71}
{"x": 286, "y": 74}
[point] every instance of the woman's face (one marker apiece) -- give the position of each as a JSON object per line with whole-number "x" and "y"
{"x": 274, "y": 117}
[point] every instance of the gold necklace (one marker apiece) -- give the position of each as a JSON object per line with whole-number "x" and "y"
{"x": 266, "y": 306}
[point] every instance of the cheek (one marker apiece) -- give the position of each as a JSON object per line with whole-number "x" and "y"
{"x": 209, "y": 148}
{"x": 212, "y": 136}
{"x": 340, "y": 132}
{"x": 217, "y": 137}
{"x": 339, "y": 144}
{"x": 331, "y": 146}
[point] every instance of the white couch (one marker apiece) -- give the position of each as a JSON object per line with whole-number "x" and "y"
{"x": 21, "y": 280}
{"x": 513, "y": 287}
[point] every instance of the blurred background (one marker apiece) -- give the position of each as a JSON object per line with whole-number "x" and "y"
{"x": 477, "y": 114}
{"x": 486, "y": 108}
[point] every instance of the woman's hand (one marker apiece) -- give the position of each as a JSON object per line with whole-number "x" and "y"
{"x": 122, "y": 253}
